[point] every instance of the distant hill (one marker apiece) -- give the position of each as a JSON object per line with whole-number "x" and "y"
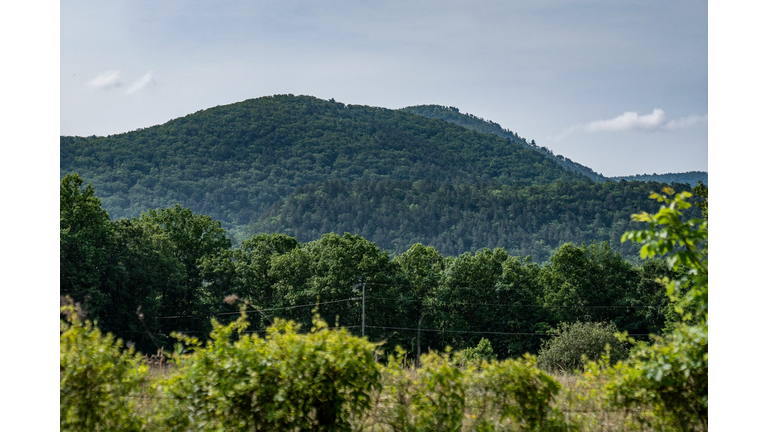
{"x": 452, "y": 115}
{"x": 691, "y": 177}
{"x": 232, "y": 162}
{"x": 525, "y": 220}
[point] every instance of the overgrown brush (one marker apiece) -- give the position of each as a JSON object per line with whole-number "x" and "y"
{"x": 98, "y": 379}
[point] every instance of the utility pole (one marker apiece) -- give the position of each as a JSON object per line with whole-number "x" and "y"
{"x": 363, "y": 327}
{"x": 418, "y": 342}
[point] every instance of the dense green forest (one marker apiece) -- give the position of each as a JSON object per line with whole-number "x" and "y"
{"x": 452, "y": 115}
{"x": 304, "y": 166}
{"x": 169, "y": 269}
{"x": 232, "y": 162}
{"x": 690, "y": 177}
{"x": 524, "y": 220}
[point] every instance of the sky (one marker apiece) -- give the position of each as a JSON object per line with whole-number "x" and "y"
{"x": 618, "y": 86}
{"x": 517, "y": 66}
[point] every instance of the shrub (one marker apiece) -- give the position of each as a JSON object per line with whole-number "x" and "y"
{"x": 520, "y": 395}
{"x": 483, "y": 351}
{"x": 287, "y": 381}
{"x": 670, "y": 375}
{"x": 572, "y": 342}
{"x": 668, "y": 378}
{"x": 97, "y": 379}
{"x": 485, "y": 396}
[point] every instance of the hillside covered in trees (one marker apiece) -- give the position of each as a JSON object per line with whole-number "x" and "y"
{"x": 690, "y": 177}
{"x": 453, "y": 115}
{"x": 234, "y": 161}
{"x": 524, "y": 220}
{"x": 303, "y": 166}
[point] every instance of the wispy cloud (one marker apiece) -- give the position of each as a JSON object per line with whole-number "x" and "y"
{"x": 628, "y": 121}
{"x": 141, "y": 84}
{"x": 111, "y": 79}
{"x": 631, "y": 120}
{"x": 688, "y": 122}
{"x": 105, "y": 81}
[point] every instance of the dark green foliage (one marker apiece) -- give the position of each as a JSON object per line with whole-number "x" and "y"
{"x": 524, "y": 220}
{"x": 571, "y": 343}
{"x": 691, "y": 178}
{"x": 129, "y": 272}
{"x": 452, "y": 115}
{"x": 232, "y": 162}
{"x": 86, "y": 242}
{"x": 587, "y": 282}
{"x": 171, "y": 269}
{"x": 191, "y": 240}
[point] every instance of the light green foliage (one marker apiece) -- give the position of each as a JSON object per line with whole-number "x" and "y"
{"x": 483, "y": 351}
{"x": 484, "y": 396}
{"x": 286, "y": 381}
{"x": 572, "y": 343}
{"x": 98, "y": 379}
{"x": 428, "y": 398}
{"x": 684, "y": 243}
{"x": 669, "y": 377}
{"x": 519, "y": 394}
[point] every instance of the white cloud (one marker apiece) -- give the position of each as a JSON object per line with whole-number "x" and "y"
{"x": 628, "y": 121}
{"x": 105, "y": 81}
{"x": 688, "y": 122}
{"x": 631, "y": 120}
{"x": 146, "y": 80}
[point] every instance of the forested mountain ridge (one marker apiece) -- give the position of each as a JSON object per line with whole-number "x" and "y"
{"x": 690, "y": 177}
{"x": 524, "y": 220}
{"x": 452, "y": 115}
{"x": 232, "y": 162}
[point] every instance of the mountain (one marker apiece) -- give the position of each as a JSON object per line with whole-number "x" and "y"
{"x": 452, "y": 115}
{"x": 232, "y": 162}
{"x": 691, "y": 177}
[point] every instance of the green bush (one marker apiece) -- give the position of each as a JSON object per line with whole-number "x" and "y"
{"x": 483, "y": 351}
{"x": 670, "y": 376}
{"x": 98, "y": 379}
{"x": 519, "y": 394}
{"x": 286, "y": 381}
{"x": 573, "y": 342}
{"x": 667, "y": 381}
{"x": 484, "y": 396}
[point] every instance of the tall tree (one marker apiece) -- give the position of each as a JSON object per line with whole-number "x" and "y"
{"x": 86, "y": 245}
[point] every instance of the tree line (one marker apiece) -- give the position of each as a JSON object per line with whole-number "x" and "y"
{"x": 170, "y": 269}
{"x": 524, "y": 220}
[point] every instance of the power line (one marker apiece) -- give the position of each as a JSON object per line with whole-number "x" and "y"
{"x": 511, "y": 304}
{"x": 481, "y": 332}
{"x": 260, "y": 309}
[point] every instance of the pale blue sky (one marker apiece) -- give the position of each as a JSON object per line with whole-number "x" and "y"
{"x": 618, "y": 86}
